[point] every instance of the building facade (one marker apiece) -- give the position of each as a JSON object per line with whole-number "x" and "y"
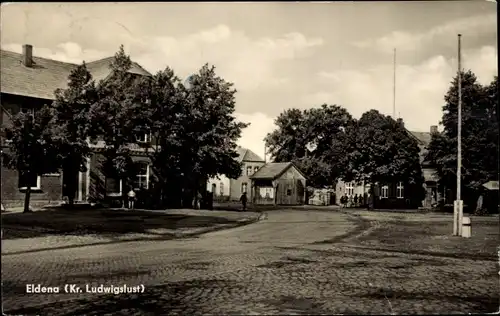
{"x": 278, "y": 183}
{"x": 398, "y": 194}
{"x": 225, "y": 189}
{"x": 29, "y": 82}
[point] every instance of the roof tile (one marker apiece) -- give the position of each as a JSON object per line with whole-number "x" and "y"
{"x": 271, "y": 170}
{"x": 47, "y": 75}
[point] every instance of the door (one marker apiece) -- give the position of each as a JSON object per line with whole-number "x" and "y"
{"x": 300, "y": 192}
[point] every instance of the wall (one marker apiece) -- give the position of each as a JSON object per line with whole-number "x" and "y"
{"x": 217, "y": 181}
{"x": 50, "y": 185}
{"x": 340, "y": 190}
{"x": 236, "y": 184}
{"x": 292, "y": 181}
{"x": 50, "y": 190}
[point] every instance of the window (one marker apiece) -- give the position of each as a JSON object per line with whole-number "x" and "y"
{"x": 243, "y": 187}
{"x": 143, "y": 138}
{"x": 255, "y": 169}
{"x": 221, "y": 188}
{"x": 249, "y": 170}
{"x": 142, "y": 176}
{"x": 269, "y": 193}
{"x": 400, "y": 190}
{"x": 385, "y": 192}
{"x": 29, "y": 179}
{"x": 266, "y": 193}
{"x": 349, "y": 188}
{"x": 113, "y": 187}
{"x": 288, "y": 192}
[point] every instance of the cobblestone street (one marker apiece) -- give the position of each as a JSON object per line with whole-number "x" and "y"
{"x": 291, "y": 262}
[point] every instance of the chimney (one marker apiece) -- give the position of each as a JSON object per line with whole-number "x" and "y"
{"x": 434, "y": 129}
{"x": 400, "y": 122}
{"x": 27, "y": 55}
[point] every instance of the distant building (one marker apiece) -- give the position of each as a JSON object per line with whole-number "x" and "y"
{"x": 397, "y": 195}
{"x": 225, "y": 189}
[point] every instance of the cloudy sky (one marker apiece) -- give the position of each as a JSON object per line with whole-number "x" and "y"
{"x": 280, "y": 55}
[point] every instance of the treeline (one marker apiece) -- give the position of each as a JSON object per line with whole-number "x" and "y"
{"x": 328, "y": 144}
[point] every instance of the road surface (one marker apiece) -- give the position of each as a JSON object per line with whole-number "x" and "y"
{"x": 292, "y": 262}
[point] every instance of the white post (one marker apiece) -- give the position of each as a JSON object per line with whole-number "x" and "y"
{"x": 80, "y": 186}
{"x": 87, "y": 189}
{"x": 458, "y": 210}
{"x": 467, "y": 229}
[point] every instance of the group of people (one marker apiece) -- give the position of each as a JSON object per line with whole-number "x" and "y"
{"x": 352, "y": 201}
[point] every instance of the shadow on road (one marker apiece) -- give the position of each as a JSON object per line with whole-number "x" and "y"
{"x": 104, "y": 222}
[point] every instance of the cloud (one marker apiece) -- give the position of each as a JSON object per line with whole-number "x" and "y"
{"x": 253, "y": 136}
{"x": 440, "y": 35}
{"x": 420, "y": 89}
{"x": 248, "y": 62}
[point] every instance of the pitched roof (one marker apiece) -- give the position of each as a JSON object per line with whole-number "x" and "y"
{"x": 422, "y": 137}
{"x": 248, "y": 155}
{"x": 100, "y": 69}
{"x": 38, "y": 81}
{"x": 271, "y": 170}
{"x": 46, "y": 75}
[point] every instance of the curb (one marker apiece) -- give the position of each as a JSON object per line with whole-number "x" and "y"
{"x": 159, "y": 238}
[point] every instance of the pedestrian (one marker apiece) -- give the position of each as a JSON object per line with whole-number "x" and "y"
{"x": 210, "y": 200}
{"x": 243, "y": 200}
{"x": 479, "y": 204}
{"x": 356, "y": 200}
{"x": 342, "y": 201}
{"x": 131, "y": 198}
{"x": 346, "y": 200}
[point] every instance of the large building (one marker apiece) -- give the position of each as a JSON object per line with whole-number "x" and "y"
{"x": 27, "y": 83}
{"x": 397, "y": 195}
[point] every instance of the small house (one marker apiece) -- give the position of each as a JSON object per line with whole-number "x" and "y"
{"x": 278, "y": 183}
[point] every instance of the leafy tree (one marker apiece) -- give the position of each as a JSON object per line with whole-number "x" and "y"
{"x": 287, "y": 142}
{"x": 209, "y": 131}
{"x": 382, "y": 151}
{"x": 31, "y": 151}
{"x": 72, "y": 125}
{"x": 315, "y": 139}
{"x": 479, "y": 137}
{"x": 110, "y": 114}
{"x": 163, "y": 115}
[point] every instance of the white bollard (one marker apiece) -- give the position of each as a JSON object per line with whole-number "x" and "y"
{"x": 466, "y": 227}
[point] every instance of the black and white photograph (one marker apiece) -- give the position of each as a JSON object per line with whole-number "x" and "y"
{"x": 249, "y": 158}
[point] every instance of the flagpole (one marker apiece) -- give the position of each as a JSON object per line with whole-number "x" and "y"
{"x": 394, "y": 87}
{"x": 458, "y": 207}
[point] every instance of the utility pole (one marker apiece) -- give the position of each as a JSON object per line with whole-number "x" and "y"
{"x": 394, "y": 87}
{"x": 458, "y": 205}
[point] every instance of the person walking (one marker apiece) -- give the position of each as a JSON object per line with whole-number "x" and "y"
{"x": 356, "y": 200}
{"x": 243, "y": 200}
{"x": 131, "y": 198}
